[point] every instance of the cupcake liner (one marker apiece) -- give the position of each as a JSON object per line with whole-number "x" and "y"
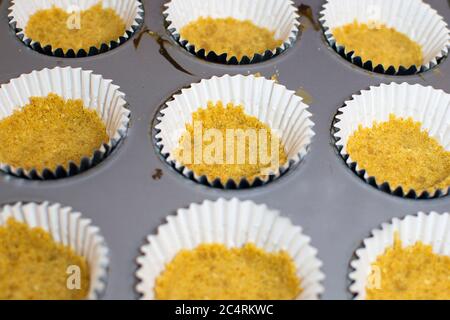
{"x": 271, "y": 103}
{"x": 69, "y": 229}
{"x": 431, "y": 229}
{"x": 97, "y": 94}
{"x": 276, "y": 15}
{"x": 233, "y": 223}
{"x": 131, "y": 12}
{"x": 414, "y": 18}
{"x": 427, "y": 105}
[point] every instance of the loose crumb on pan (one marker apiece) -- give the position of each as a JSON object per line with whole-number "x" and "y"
{"x": 401, "y": 153}
{"x": 34, "y": 267}
{"x": 234, "y": 37}
{"x": 212, "y": 271}
{"x": 409, "y": 273}
{"x": 217, "y": 117}
{"x": 50, "y": 131}
{"x": 380, "y": 44}
{"x": 56, "y": 27}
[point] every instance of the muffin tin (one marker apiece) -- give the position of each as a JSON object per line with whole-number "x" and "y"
{"x": 130, "y": 193}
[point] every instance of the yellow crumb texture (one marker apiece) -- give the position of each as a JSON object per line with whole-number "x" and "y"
{"x": 34, "y": 267}
{"x": 410, "y": 273}
{"x": 232, "y": 145}
{"x": 236, "y": 38}
{"x": 214, "y": 272}
{"x": 380, "y": 44}
{"x": 60, "y": 29}
{"x": 50, "y": 131}
{"x": 400, "y": 152}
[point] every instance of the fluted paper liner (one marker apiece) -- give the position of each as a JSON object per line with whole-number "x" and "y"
{"x": 271, "y": 103}
{"x": 131, "y": 12}
{"x": 415, "y": 18}
{"x": 70, "y": 229}
{"x": 431, "y": 229}
{"x": 97, "y": 94}
{"x": 427, "y": 105}
{"x": 279, "y": 16}
{"x": 233, "y": 223}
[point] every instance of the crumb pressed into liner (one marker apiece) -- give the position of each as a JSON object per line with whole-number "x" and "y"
{"x": 236, "y": 38}
{"x": 97, "y": 26}
{"x": 229, "y": 163}
{"x": 380, "y": 44}
{"x": 401, "y": 153}
{"x": 213, "y": 271}
{"x": 409, "y": 273}
{"x": 34, "y": 266}
{"x": 49, "y": 132}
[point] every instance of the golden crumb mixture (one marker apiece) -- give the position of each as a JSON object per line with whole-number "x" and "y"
{"x": 214, "y": 272}
{"x": 399, "y": 152}
{"x": 411, "y": 273}
{"x": 34, "y": 267}
{"x": 223, "y": 142}
{"x": 50, "y": 131}
{"x": 380, "y": 44}
{"x": 237, "y": 38}
{"x": 59, "y": 29}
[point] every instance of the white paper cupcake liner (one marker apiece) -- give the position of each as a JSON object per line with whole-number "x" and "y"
{"x": 431, "y": 229}
{"x": 233, "y": 223}
{"x": 276, "y": 15}
{"x": 97, "y": 94}
{"x": 414, "y": 18}
{"x": 131, "y": 12}
{"x": 427, "y": 105}
{"x": 271, "y": 103}
{"x": 69, "y": 229}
